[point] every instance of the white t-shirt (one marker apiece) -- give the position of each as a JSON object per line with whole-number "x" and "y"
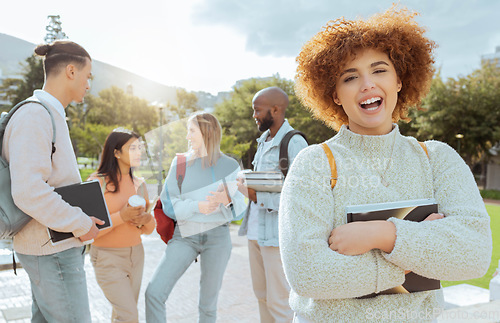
{"x": 253, "y": 215}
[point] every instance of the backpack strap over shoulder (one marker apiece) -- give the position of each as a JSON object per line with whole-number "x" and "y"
{"x": 331, "y": 161}
{"x": 424, "y": 147}
{"x": 102, "y": 180}
{"x": 6, "y": 119}
{"x": 181, "y": 170}
{"x": 283, "y": 157}
{"x": 333, "y": 166}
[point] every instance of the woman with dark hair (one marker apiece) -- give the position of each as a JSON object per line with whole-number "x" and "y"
{"x": 56, "y": 271}
{"x": 117, "y": 253}
{"x": 360, "y": 77}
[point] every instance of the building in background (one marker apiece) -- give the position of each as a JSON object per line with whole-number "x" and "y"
{"x": 493, "y": 168}
{"x": 493, "y": 58}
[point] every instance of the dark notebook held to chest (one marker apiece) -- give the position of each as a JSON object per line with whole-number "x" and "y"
{"x": 412, "y": 210}
{"x": 89, "y": 197}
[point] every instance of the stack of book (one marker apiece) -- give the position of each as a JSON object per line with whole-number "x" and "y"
{"x": 264, "y": 181}
{"x": 412, "y": 210}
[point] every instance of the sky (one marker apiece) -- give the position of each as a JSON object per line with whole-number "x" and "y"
{"x": 208, "y": 45}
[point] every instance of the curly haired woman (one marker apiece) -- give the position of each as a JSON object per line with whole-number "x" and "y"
{"x": 360, "y": 77}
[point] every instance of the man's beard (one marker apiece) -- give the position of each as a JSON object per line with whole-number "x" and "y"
{"x": 267, "y": 122}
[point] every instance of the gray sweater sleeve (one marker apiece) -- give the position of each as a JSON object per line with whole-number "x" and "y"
{"x": 306, "y": 221}
{"x": 31, "y": 167}
{"x": 457, "y": 247}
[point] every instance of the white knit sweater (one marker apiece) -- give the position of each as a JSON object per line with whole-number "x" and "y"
{"x": 324, "y": 283}
{"x": 27, "y": 147}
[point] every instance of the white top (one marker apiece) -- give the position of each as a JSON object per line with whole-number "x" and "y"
{"x": 50, "y": 99}
{"x": 325, "y": 284}
{"x": 253, "y": 216}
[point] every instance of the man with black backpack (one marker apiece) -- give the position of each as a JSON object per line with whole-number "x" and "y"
{"x": 37, "y": 165}
{"x": 260, "y": 223}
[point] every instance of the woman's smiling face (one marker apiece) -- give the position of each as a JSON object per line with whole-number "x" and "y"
{"x": 367, "y": 90}
{"x": 195, "y": 137}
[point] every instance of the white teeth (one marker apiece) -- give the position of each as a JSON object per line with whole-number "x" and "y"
{"x": 371, "y": 100}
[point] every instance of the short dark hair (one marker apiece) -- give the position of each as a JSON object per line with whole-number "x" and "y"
{"x": 61, "y": 53}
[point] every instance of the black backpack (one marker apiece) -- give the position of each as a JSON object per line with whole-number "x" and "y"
{"x": 283, "y": 158}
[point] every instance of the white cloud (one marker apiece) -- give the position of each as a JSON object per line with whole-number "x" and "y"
{"x": 210, "y": 44}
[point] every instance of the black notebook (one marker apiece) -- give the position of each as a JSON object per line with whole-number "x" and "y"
{"x": 89, "y": 197}
{"x": 412, "y": 210}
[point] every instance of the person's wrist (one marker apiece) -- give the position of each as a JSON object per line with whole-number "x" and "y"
{"x": 123, "y": 216}
{"x": 385, "y": 235}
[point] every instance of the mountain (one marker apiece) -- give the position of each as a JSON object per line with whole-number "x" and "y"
{"x": 106, "y": 75}
{"x": 14, "y": 51}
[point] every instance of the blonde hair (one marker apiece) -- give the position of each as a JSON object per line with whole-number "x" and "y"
{"x": 212, "y": 134}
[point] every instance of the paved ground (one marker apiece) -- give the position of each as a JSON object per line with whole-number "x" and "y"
{"x": 237, "y": 302}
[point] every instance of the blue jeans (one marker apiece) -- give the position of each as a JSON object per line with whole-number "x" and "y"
{"x": 58, "y": 286}
{"x": 214, "y": 247}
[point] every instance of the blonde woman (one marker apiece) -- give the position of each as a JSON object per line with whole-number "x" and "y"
{"x": 203, "y": 208}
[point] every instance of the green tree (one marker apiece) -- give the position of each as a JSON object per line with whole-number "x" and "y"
{"x": 187, "y": 103}
{"x": 239, "y": 128}
{"x": 115, "y": 107}
{"x": 16, "y": 89}
{"x": 468, "y": 105}
{"x": 89, "y": 139}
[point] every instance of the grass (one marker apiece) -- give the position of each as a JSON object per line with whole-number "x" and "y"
{"x": 484, "y": 282}
{"x": 85, "y": 173}
{"x": 490, "y": 194}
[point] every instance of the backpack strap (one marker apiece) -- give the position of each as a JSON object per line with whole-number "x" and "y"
{"x": 283, "y": 158}
{"x": 141, "y": 190}
{"x": 333, "y": 166}
{"x": 181, "y": 170}
{"x": 102, "y": 180}
{"x": 424, "y": 147}
{"x": 6, "y": 119}
{"x": 331, "y": 161}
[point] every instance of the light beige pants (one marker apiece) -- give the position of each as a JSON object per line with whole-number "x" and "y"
{"x": 269, "y": 283}
{"x": 118, "y": 272}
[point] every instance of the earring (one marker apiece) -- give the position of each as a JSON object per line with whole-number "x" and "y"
{"x": 118, "y": 157}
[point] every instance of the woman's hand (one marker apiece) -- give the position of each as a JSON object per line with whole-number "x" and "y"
{"x": 129, "y": 213}
{"x": 219, "y": 197}
{"x": 434, "y": 216}
{"x": 207, "y": 207}
{"x": 248, "y": 192}
{"x": 357, "y": 238}
{"x": 141, "y": 219}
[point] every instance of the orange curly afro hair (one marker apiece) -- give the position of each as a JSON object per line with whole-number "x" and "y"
{"x": 393, "y": 32}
